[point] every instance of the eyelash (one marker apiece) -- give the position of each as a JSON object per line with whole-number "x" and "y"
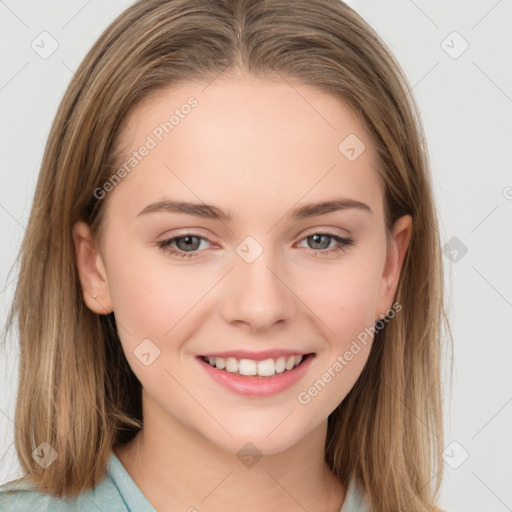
{"x": 343, "y": 242}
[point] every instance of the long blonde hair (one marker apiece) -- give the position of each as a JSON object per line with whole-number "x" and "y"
{"x": 76, "y": 390}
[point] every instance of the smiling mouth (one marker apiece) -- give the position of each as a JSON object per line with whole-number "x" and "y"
{"x": 252, "y": 368}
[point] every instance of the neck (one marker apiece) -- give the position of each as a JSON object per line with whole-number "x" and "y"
{"x": 178, "y": 469}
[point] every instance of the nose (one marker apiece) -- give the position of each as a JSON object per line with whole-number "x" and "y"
{"x": 259, "y": 294}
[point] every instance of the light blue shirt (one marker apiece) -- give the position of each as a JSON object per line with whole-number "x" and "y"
{"x": 117, "y": 492}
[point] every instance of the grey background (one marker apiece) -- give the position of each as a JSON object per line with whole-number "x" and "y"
{"x": 466, "y": 105}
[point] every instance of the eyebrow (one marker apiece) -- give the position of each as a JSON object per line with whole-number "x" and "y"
{"x": 213, "y": 212}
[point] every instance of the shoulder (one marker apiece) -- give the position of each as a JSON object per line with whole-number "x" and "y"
{"x": 357, "y": 501}
{"x": 355, "y": 498}
{"x": 22, "y": 496}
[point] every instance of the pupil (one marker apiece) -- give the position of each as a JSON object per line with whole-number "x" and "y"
{"x": 188, "y": 241}
{"x": 316, "y": 239}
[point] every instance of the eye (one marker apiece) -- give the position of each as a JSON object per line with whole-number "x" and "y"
{"x": 321, "y": 241}
{"x": 189, "y": 243}
{"x": 186, "y": 249}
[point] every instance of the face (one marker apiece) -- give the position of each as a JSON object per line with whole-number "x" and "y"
{"x": 258, "y": 274}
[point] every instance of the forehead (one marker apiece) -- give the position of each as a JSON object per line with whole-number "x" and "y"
{"x": 249, "y": 138}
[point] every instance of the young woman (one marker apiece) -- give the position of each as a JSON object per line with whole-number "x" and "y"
{"x": 230, "y": 292}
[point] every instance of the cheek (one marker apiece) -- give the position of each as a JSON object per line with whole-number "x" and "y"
{"x": 154, "y": 300}
{"x": 352, "y": 309}
{"x": 344, "y": 301}
{"x": 344, "y": 298}
{"x": 150, "y": 294}
{"x": 346, "y": 310}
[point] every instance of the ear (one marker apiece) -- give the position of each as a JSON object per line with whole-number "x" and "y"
{"x": 91, "y": 270}
{"x": 397, "y": 249}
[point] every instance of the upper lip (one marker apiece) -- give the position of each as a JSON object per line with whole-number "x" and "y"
{"x": 257, "y": 356}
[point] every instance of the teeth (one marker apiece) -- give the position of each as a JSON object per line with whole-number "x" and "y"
{"x": 290, "y": 363}
{"x": 247, "y": 367}
{"x": 231, "y": 365}
{"x": 280, "y": 364}
{"x": 265, "y": 368}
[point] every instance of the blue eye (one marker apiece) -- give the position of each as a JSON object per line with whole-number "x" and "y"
{"x": 341, "y": 241}
{"x": 189, "y": 243}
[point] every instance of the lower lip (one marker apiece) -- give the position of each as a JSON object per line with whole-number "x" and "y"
{"x": 257, "y": 386}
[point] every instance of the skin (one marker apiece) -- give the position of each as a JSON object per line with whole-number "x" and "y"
{"x": 257, "y": 148}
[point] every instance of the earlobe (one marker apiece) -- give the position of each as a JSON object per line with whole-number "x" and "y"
{"x": 91, "y": 270}
{"x": 397, "y": 251}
